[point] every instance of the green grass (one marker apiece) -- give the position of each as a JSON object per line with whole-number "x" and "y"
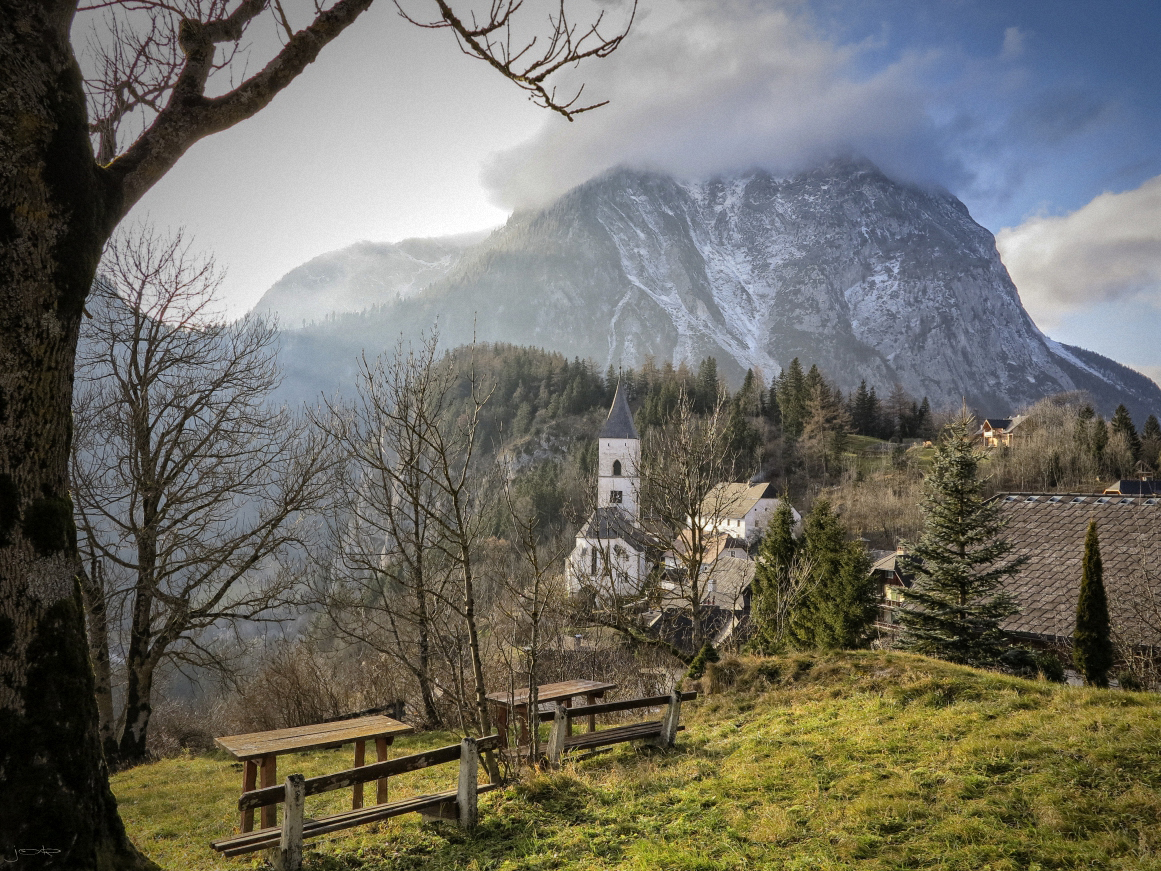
{"x": 861, "y": 760}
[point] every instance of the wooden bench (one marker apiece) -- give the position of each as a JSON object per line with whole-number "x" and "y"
{"x": 563, "y": 692}
{"x": 661, "y": 732}
{"x": 259, "y": 752}
{"x": 286, "y": 842}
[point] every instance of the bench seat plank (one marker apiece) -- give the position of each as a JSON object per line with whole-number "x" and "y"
{"x": 632, "y": 732}
{"x": 268, "y": 838}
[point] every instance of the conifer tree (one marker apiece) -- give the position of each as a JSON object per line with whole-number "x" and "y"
{"x": 1092, "y": 649}
{"x": 1151, "y": 442}
{"x": 1123, "y": 424}
{"x": 792, "y": 399}
{"x": 841, "y": 601}
{"x": 771, "y": 575}
{"x": 771, "y": 410}
{"x": 955, "y": 607}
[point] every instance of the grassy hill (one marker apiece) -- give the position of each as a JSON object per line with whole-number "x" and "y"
{"x": 853, "y": 760}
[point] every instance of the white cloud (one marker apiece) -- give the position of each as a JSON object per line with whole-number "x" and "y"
{"x": 1013, "y": 43}
{"x": 1108, "y": 250}
{"x": 702, "y": 87}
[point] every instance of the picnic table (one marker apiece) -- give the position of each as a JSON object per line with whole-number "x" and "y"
{"x": 259, "y": 752}
{"x": 562, "y": 692}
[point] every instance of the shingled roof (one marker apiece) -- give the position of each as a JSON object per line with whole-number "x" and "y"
{"x": 1049, "y": 529}
{"x": 612, "y": 523}
{"x": 619, "y": 423}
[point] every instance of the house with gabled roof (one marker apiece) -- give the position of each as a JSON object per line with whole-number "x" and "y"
{"x": 999, "y": 431}
{"x": 741, "y": 510}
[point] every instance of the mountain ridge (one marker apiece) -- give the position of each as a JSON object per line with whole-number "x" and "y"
{"x": 840, "y": 266}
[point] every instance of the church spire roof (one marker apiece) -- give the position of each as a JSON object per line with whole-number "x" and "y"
{"x": 619, "y": 423}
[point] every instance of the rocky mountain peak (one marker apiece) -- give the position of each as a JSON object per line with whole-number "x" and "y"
{"x": 840, "y": 266}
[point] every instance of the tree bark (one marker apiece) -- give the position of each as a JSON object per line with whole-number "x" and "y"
{"x": 54, "y": 203}
{"x": 97, "y": 621}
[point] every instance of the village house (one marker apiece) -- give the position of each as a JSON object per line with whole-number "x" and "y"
{"x": 893, "y": 572}
{"x": 741, "y": 510}
{"x": 999, "y": 431}
{"x": 1049, "y": 530}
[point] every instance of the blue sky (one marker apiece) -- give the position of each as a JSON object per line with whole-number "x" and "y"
{"x": 1043, "y": 117}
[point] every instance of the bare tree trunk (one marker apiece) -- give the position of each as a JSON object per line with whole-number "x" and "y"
{"x": 52, "y": 225}
{"x": 140, "y": 668}
{"x": 97, "y": 619}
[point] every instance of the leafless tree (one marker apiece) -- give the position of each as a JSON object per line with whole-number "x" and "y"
{"x": 190, "y": 487}
{"x": 392, "y": 584}
{"x": 533, "y": 596}
{"x": 420, "y": 497}
{"x": 683, "y": 463}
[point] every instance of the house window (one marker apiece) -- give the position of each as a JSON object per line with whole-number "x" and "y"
{"x": 615, "y": 497}
{"x": 616, "y": 468}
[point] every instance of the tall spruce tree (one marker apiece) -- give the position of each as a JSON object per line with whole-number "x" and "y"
{"x": 1092, "y": 645}
{"x": 792, "y": 399}
{"x": 1123, "y": 424}
{"x": 772, "y": 569}
{"x": 955, "y": 607}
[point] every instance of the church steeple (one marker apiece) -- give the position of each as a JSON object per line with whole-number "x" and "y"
{"x": 619, "y": 457}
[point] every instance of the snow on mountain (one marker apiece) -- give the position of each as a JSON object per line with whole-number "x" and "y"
{"x": 840, "y": 266}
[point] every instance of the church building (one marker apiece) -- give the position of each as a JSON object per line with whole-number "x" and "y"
{"x": 610, "y": 553}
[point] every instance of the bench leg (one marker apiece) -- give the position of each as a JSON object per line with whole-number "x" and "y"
{"x": 269, "y": 776}
{"x": 249, "y": 781}
{"x": 360, "y": 761}
{"x": 556, "y": 739}
{"x": 670, "y": 720}
{"x": 568, "y": 704}
{"x": 592, "y": 700}
{"x": 381, "y": 783}
{"x": 500, "y": 714}
{"x": 467, "y": 787}
{"x": 288, "y": 856}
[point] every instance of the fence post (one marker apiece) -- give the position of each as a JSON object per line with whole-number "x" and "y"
{"x": 668, "y": 736}
{"x": 288, "y": 857}
{"x": 559, "y": 733}
{"x": 467, "y": 794}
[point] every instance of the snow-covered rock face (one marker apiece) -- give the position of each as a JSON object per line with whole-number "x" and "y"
{"x": 841, "y": 266}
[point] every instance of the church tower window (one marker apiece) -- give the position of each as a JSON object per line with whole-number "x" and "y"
{"x": 615, "y": 497}
{"x": 616, "y": 468}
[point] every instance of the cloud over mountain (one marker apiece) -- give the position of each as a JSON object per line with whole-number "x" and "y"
{"x": 1107, "y": 251}
{"x": 700, "y": 88}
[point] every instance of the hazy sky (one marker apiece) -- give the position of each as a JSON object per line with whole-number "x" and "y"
{"x": 1043, "y": 116}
